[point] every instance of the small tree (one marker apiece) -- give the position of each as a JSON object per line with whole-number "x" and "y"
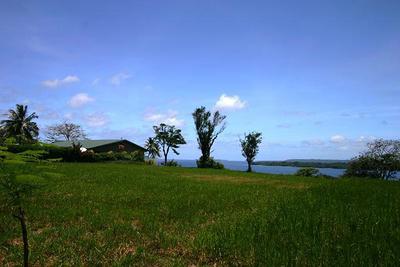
{"x": 14, "y": 194}
{"x": 152, "y": 147}
{"x": 65, "y": 131}
{"x": 168, "y": 137}
{"x": 250, "y": 146}
{"x": 208, "y": 128}
{"x": 380, "y": 161}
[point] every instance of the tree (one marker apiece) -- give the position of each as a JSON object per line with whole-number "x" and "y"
{"x": 2, "y": 135}
{"x": 168, "y": 137}
{"x": 250, "y": 149}
{"x": 20, "y": 125}
{"x": 208, "y": 128}
{"x": 14, "y": 194}
{"x": 66, "y": 131}
{"x": 380, "y": 161}
{"x": 152, "y": 147}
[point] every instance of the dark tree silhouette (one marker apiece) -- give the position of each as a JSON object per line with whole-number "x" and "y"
{"x": 20, "y": 125}
{"x": 65, "y": 131}
{"x": 208, "y": 128}
{"x": 152, "y": 147}
{"x": 169, "y": 138}
{"x": 250, "y": 145}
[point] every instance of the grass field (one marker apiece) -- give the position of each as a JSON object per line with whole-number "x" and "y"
{"x": 124, "y": 214}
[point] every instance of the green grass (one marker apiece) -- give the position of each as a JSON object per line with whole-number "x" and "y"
{"x": 124, "y": 214}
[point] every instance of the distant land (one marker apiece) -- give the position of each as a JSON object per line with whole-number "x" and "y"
{"x": 315, "y": 163}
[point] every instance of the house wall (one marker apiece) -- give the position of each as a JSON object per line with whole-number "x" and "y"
{"x": 119, "y": 147}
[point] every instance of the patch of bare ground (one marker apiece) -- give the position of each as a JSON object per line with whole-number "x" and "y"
{"x": 124, "y": 250}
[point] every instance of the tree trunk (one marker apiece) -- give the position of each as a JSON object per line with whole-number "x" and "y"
{"x": 165, "y": 159}
{"x": 21, "y": 218}
{"x": 248, "y": 166}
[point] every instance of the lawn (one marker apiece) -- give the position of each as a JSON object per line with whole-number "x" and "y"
{"x": 127, "y": 214}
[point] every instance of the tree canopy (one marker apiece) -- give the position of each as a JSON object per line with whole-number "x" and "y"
{"x": 250, "y": 146}
{"x": 381, "y": 160}
{"x": 169, "y": 138}
{"x": 20, "y": 125}
{"x": 152, "y": 147}
{"x": 65, "y": 131}
{"x": 208, "y": 127}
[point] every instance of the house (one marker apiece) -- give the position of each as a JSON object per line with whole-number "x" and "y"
{"x": 99, "y": 146}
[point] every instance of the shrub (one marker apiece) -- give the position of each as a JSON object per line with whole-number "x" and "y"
{"x": 171, "y": 163}
{"x": 308, "y": 172}
{"x": 33, "y": 155}
{"x": 52, "y": 150}
{"x": 209, "y": 163}
{"x": 380, "y": 161}
{"x": 150, "y": 162}
{"x": 137, "y": 156}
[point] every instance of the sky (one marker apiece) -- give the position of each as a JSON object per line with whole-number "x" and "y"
{"x": 319, "y": 79}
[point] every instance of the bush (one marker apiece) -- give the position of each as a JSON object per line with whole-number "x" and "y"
{"x": 171, "y": 163}
{"x": 209, "y": 163}
{"x": 52, "y": 150}
{"x": 33, "y": 155}
{"x": 380, "y": 161}
{"x": 150, "y": 162}
{"x": 137, "y": 156}
{"x": 308, "y": 172}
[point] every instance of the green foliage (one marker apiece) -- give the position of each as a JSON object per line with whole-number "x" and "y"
{"x": 380, "y": 161}
{"x": 52, "y": 150}
{"x": 171, "y": 163}
{"x": 152, "y": 147}
{"x": 150, "y": 162}
{"x": 90, "y": 156}
{"x": 168, "y": 138}
{"x": 33, "y": 155}
{"x": 20, "y": 125}
{"x": 137, "y": 215}
{"x": 209, "y": 163}
{"x": 308, "y": 172}
{"x": 208, "y": 128}
{"x": 250, "y": 145}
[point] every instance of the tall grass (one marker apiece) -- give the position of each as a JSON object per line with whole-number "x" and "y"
{"x": 123, "y": 214}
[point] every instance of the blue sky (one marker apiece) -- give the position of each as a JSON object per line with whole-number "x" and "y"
{"x": 319, "y": 79}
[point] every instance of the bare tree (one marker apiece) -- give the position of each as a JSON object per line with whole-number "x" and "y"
{"x": 65, "y": 131}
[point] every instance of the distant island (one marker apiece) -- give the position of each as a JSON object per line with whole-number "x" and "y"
{"x": 315, "y": 163}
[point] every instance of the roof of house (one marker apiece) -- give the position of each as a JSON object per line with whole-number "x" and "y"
{"x": 92, "y": 143}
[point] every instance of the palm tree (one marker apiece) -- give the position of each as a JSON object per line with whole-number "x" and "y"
{"x": 20, "y": 125}
{"x": 153, "y": 149}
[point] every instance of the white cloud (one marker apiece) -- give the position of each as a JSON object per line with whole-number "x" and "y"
{"x": 96, "y": 119}
{"x": 338, "y": 139}
{"x": 169, "y": 118}
{"x": 229, "y": 102}
{"x": 80, "y": 99}
{"x": 118, "y": 78}
{"x": 59, "y": 82}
